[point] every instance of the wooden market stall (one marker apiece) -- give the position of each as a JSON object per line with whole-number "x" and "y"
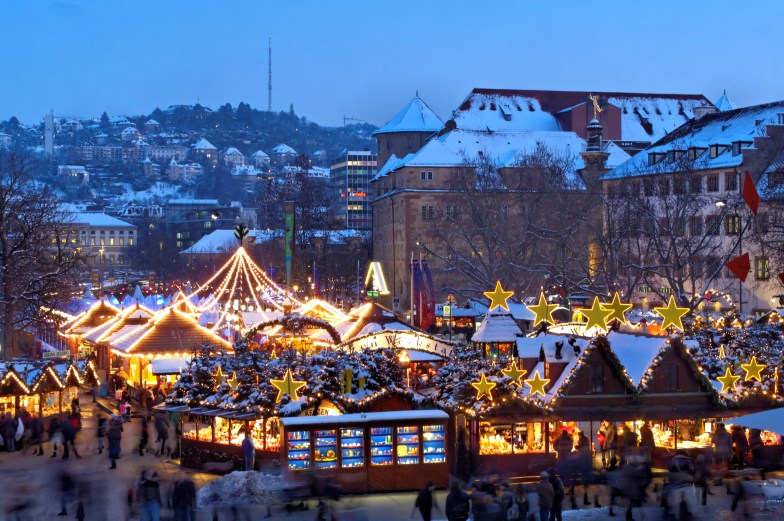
{"x": 370, "y": 452}
{"x": 97, "y": 314}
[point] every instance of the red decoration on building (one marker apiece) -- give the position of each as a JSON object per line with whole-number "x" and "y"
{"x": 750, "y": 194}
{"x": 740, "y": 266}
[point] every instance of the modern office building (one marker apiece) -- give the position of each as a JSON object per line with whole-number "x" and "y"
{"x": 350, "y": 175}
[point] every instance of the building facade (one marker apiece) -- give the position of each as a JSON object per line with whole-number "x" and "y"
{"x": 350, "y": 176}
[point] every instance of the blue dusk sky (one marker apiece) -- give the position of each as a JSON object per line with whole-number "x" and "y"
{"x": 366, "y": 59}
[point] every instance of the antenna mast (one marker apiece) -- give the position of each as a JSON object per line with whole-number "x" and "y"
{"x": 269, "y": 88}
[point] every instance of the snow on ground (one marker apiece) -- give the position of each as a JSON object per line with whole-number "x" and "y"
{"x": 242, "y": 488}
{"x": 158, "y": 192}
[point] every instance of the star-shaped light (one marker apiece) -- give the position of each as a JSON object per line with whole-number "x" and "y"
{"x": 537, "y": 384}
{"x": 597, "y": 316}
{"x": 233, "y": 382}
{"x": 483, "y": 387}
{"x": 753, "y": 370}
{"x": 617, "y": 309}
{"x": 514, "y": 373}
{"x": 219, "y": 376}
{"x": 543, "y": 311}
{"x": 288, "y": 386}
{"x": 498, "y": 297}
{"x": 728, "y": 380}
{"x": 274, "y": 355}
{"x": 672, "y": 314}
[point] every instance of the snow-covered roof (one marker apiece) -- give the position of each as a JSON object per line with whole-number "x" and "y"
{"x": 203, "y": 144}
{"x": 661, "y": 115}
{"x": 169, "y": 365}
{"x": 151, "y": 122}
{"x": 233, "y": 151}
{"x": 635, "y": 352}
{"x": 210, "y": 202}
{"x": 416, "y": 116}
{"x": 365, "y": 417}
{"x": 497, "y": 112}
{"x": 497, "y": 327}
{"x": 721, "y": 128}
{"x": 99, "y": 220}
{"x": 283, "y": 149}
{"x": 505, "y": 148}
{"x": 724, "y": 104}
{"x": 260, "y": 153}
{"x": 223, "y": 241}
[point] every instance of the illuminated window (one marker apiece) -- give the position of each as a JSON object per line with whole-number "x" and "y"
{"x": 761, "y": 268}
{"x": 111, "y": 241}
{"x": 122, "y": 241}
{"x": 732, "y": 225}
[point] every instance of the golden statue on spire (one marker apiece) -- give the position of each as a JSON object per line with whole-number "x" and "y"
{"x": 597, "y": 110}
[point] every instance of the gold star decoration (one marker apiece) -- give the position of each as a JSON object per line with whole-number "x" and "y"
{"x": 483, "y": 387}
{"x": 617, "y": 309}
{"x": 514, "y": 373}
{"x": 288, "y": 386}
{"x": 728, "y": 380}
{"x": 233, "y": 382}
{"x": 537, "y": 384}
{"x": 753, "y": 370}
{"x": 543, "y": 311}
{"x": 498, "y": 297}
{"x": 219, "y": 376}
{"x": 672, "y": 314}
{"x": 597, "y": 316}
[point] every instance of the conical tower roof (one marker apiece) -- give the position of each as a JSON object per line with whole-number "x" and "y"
{"x": 724, "y": 104}
{"x": 416, "y": 116}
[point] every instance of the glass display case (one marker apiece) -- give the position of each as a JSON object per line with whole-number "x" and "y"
{"x": 325, "y": 451}
{"x": 407, "y": 445}
{"x": 381, "y": 446}
{"x": 352, "y": 448}
{"x": 433, "y": 447}
{"x": 298, "y": 449}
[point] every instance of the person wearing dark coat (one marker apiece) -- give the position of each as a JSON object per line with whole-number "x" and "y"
{"x": 563, "y": 446}
{"x": 611, "y": 444}
{"x": 425, "y": 502}
{"x": 722, "y": 445}
{"x": 701, "y": 474}
{"x": 756, "y": 445}
{"x": 100, "y": 432}
{"x": 740, "y": 446}
{"x": 113, "y": 438}
{"x": 162, "y": 428}
{"x": 184, "y": 499}
{"x": 145, "y": 435}
{"x": 558, "y": 495}
{"x": 8, "y": 426}
{"x": 457, "y": 506}
{"x": 37, "y": 436}
{"x": 647, "y": 442}
{"x": 546, "y": 495}
{"x": 69, "y": 439}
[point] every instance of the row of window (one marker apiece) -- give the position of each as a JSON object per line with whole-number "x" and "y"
{"x": 697, "y": 226}
{"x": 675, "y": 185}
{"x": 99, "y": 241}
{"x": 103, "y": 232}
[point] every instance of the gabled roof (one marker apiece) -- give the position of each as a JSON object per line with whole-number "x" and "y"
{"x": 96, "y": 315}
{"x": 283, "y": 149}
{"x": 170, "y": 331}
{"x": 721, "y": 128}
{"x": 132, "y": 315}
{"x": 416, "y": 116}
{"x": 203, "y": 144}
{"x": 232, "y": 150}
{"x": 497, "y": 327}
{"x": 260, "y": 153}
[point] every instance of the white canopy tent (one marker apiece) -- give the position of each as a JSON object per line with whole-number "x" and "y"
{"x": 772, "y": 421}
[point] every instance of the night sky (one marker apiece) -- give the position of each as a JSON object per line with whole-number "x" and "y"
{"x": 366, "y": 59}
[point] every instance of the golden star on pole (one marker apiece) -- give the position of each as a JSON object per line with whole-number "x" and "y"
{"x": 537, "y": 384}
{"x": 728, "y": 380}
{"x": 617, "y": 309}
{"x": 672, "y": 314}
{"x": 543, "y": 311}
{"x": 498, "y": 297}
{"x": 233, "y": 382}
{"x": 514, "y": 373}
{"x": 288, "y": 386}
{"x": 753, "y": 370}
{"x": 483, "y": 387}
{"x": 597, "y": 316}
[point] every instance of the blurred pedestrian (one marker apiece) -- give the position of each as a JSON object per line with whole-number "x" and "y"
{"x": 701, "y": 477}
{"x": 184, "y": 499}
{"x": 113, "y": 438}
{"x": 69, "y": 439}
{"x": 756, "y": 445}
{"x": 456, "y": 507}
{"x": 647, "y": 441}
{"x": 36, "y": 438}
{"x": 8, "y": 427}
{"x": 558, "y": 495}
{"x": 248, "y": 451}
{"x": 144, "y": 436}
{"x": 722, "y": 445}
{"x": 546, "y": 495}
{"x": 740, "y": 446}
{"x": 162, "y": 429}
{"x": 67, "y": 488}
{"x": 100, "y": 431}
{"x": 611, "y": 441}
{"x": 563, "y": 445}
{"x": 150, "y": 498}
{"x": 55, "y": 434}
{"x": 425, "y": 502}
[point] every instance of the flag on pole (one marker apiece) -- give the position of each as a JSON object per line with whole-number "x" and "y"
{"x": 750, "y": 194}
{"x": 740, "y": 266}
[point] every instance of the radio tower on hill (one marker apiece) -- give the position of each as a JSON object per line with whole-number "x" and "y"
{"x": 269, "y": 87}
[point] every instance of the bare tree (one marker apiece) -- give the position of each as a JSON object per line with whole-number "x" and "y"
{"x": 39, "y": 263}
{"x": 523, "y": 223}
